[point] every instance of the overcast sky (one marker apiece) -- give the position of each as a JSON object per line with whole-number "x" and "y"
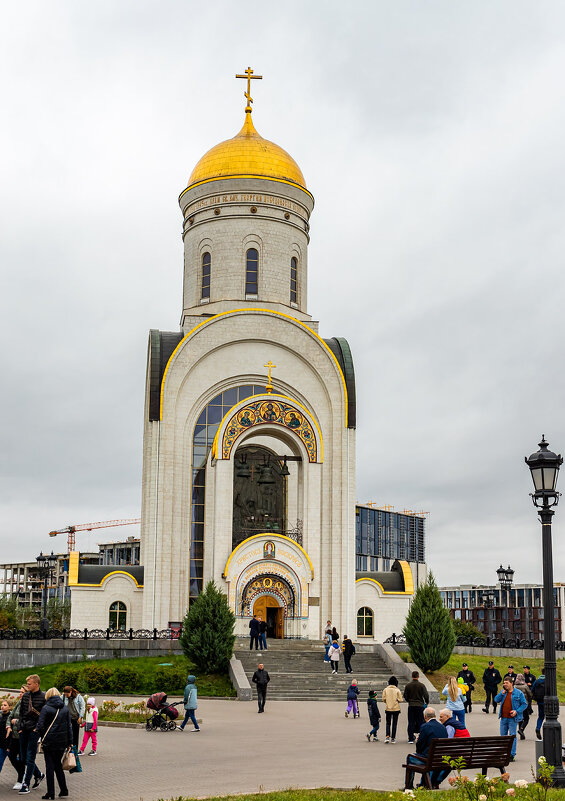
{"x": 432, "y": 137}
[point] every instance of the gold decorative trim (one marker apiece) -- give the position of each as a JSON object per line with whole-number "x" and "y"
{"x": 271, "y": 536}
{"x": 385, "y": 592}
{"x": 107, "y": 576}
{"x": 263, "y": 311}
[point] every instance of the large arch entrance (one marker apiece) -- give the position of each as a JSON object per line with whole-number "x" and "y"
{"x": 271, "y": 598}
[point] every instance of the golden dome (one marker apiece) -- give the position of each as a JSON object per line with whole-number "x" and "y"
{"x": 247, "y": 154}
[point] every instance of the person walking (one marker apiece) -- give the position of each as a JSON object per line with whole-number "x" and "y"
{"x": 417, "y": 697}
{"x": 469, "y": 678}
{"x": 538, "y": 693}
{"x": 54, "y": 728}
{"x": 32, "y": 703}
{"x": 254, "y": 633}
{"x": 77, "y": 710}
{"x": 5, "y": 734}
{"x": 14, "y": 748}
{"x": 455, "y": 699}
{"x": 262, "y": 633}
{"x": 260, "y": 679}
{"x": 352, "y": 694}
{"x": 430, "y": 730}
{"x": 348, "y": 651}
{"x": 335, "y": 651}
{"x": 491, "y": 680}
{"x": 90, "y": 727}
{"x": 521, "y": 685}
{"x": 512, "y": 705}
{"x": 392, "y": 698}
{"x": 374, "y": 716}
{"x": 190, "y": 699}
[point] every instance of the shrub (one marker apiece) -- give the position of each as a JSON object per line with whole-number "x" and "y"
{"x": 94, "y": 678}
{"x": 428, "y": 629}
{"x": 464, "y": 629}
{"x": 207, "y": 636}
{"x": 125, "y": 679}
{"x": 67, "y": 676}
{"x": 169, "y": 679}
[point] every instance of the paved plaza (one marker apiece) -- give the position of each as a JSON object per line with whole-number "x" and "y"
{"x": 293, "y": 744}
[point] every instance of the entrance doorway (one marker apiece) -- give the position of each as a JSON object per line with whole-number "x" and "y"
{"x": 268, "y": 609}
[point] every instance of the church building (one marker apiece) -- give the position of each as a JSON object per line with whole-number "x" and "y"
{"x": 249, "y": 430}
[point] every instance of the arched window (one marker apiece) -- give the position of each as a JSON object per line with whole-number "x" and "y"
{"x": 365, "y": 622}
{"x": 118, "y": 616}
{"x": 206, "y": 272}
{"x": 251, "y": 271}
{"x": 294, "y": 280}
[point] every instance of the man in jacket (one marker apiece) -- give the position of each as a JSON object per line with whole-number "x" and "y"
{"x": 417, "y": 698}
{"x": 260, "y": 679}
{"x": 262, "y": 633}
{"x": 254, "y": 633}
{"x": 469, "y": 678}
{"x": 510, "y": 675}
{"x": 33, "y": 701}
{"x": 491, "y": 680}
{"x": 538, "y": 694}
{"x": 529, "y": 678}
{"x": 430, "y": 730}
{"x": 348, "y": 651}
{"x": 512, "y": 704}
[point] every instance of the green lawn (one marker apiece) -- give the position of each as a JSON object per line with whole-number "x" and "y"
{"x": 329, "y": 794}
{"x": 478, "y": 664}
{"x": 208, "y": 684}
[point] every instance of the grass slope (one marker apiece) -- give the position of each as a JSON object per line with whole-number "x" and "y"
{"x": 208, "y": 684}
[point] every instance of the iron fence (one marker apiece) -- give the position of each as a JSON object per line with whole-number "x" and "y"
{"x": 90, "y": 634}
{"x": 488, "y": 642}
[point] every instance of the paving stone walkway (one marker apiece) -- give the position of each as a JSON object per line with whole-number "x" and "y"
{"x": 294, "y": 744}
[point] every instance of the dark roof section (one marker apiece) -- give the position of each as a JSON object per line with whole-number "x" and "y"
{"x": 341, "y": 350}
{"x": 94, "y": 574}
{"x": 390, "y": 580}
{"x": 161, "y": 347}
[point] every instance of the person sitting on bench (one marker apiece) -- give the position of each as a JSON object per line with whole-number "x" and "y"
{"x": 430, "y": 730}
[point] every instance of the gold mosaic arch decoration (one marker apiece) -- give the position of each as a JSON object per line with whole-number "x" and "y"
{"x": 271, "y": 411}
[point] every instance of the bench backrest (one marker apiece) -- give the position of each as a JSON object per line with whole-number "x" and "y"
{"x": 477, "y": 752}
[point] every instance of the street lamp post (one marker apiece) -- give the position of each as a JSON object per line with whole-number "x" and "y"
{"x": 45, "y": 564}
{"x": 544, "y": 466}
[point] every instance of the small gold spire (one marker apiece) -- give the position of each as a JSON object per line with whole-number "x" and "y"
{"x": 250, "y": 77}
{"x": 269, "y": 386}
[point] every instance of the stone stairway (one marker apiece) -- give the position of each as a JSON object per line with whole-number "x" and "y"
{"x": 298, "y": 671}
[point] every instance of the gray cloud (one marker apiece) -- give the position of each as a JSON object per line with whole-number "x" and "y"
{"x": 431, "y": 136}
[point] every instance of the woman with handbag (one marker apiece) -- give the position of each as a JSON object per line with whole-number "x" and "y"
{"x": 54, "y": 729}
{"x": 77, "y": 709}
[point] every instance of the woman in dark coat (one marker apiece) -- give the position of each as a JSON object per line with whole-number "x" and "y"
{"x": 55, "y": 741}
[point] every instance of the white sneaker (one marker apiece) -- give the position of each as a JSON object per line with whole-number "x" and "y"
{"x": 17, "y": 786}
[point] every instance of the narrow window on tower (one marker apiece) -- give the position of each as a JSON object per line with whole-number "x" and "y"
{"x": 206, "y": 271}
{"x": 251, "y": 271}
{"x": 293, "y": 280}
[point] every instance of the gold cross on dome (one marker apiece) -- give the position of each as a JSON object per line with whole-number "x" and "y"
{"x": 269, "y": 386}
{"x": 250, "y": 77}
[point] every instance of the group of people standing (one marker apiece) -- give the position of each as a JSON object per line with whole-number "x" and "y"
{"x": 258, "y": 633}
{"x": 51, "y": 720}
{"x": 529, "y": 687}
{"x": 333, "y": 650}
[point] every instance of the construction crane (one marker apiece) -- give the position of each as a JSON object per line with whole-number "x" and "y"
{"x": 70, "y": 530}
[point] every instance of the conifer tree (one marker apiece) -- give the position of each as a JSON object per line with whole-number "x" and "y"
{"x": 428, "y": 629}
{"x": 207, "y": 636}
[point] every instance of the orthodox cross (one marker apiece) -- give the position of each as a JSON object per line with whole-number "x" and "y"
{"x": 269, "y": 386}
{"x": 250, "y": 77}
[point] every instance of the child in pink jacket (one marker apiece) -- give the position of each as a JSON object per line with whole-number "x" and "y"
{"x": 90, "y": 726}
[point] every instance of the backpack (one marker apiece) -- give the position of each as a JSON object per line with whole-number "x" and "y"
{"x": 538, "y": 690}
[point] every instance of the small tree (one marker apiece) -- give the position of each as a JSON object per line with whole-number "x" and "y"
{"x": 464, "y": 629}
{"x": 207, "y": 636}
{"x": 58, "y": 613}
{"x": 428, "y": 629}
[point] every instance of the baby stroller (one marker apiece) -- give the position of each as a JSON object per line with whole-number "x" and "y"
{"x": 165, "y": 713}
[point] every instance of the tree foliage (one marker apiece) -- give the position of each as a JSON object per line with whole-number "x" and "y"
{"x": 464, "y": 629}
{"x": 428, "y": 629}
{"x": 58, "y": 613}
{"x": 207, "y": 636}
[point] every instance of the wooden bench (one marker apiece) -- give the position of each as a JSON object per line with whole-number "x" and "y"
{"x": 477, "y": 752}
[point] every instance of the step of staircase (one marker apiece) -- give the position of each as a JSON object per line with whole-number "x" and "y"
{"x": 298, "y": 671}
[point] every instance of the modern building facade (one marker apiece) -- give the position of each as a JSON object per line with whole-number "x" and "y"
{"x": 514, "y": 613}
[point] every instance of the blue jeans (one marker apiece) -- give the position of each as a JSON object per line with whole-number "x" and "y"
{"x": 413, "y": 760}
{"x": 459, "y": 714}
{"x": 263, "y": 641}
{"x": 326, "y": 657}
{"x": 189, "y": 715}
{"x": 28, "y": 752}
{"x": 3, "y": 755}
{"x": 541, "y": 714}
{"x": 509, "y": 726}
